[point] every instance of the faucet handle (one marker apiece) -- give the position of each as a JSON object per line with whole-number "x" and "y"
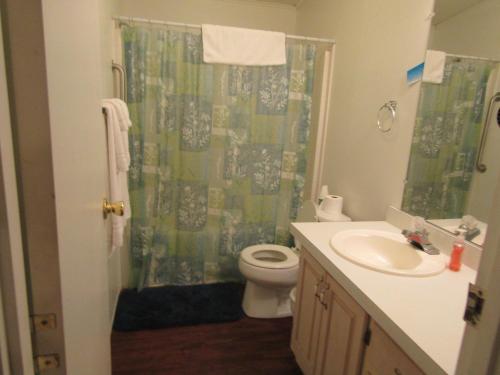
{"x": 468, "y": 222}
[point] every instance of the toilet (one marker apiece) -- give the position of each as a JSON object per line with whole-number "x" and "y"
{"x": 271, "y": 271}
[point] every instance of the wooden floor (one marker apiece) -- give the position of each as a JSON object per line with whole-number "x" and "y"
{"x": 249, "y": 346}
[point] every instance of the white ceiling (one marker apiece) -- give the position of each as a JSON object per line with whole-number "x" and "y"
{"x": 445, "y": 9}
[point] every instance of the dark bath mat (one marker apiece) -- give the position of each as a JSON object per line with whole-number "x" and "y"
{"x": 170, "y": 306}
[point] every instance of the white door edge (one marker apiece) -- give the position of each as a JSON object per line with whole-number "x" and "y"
{"x": 478, "y": 351}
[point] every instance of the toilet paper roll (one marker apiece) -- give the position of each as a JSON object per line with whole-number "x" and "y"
{"x": 332, "y": 205}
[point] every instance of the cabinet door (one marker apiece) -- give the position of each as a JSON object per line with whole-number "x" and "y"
{"x": 307, "y": 315}
{"x": 383, "y": 356}
{"x": 343, "y": 326}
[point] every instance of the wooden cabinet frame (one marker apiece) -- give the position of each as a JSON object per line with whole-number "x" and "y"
{"x": 330, "y": 328}
{"x": 329, "y": 325}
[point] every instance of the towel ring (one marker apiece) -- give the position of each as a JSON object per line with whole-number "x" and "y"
{"x": 391, "y": 106}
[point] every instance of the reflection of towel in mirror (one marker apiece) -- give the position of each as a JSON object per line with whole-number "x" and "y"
{"x": 118, "y": 165}
{"x": 434, "y": 66}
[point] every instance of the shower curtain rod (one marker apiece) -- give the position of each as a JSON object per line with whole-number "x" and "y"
{"x": 157, "y": 22}
{"x": 472, "y": 57}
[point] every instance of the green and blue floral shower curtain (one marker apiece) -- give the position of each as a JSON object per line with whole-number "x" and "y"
{"x": 218, "y": 154}
{"x": 445, "y": 140}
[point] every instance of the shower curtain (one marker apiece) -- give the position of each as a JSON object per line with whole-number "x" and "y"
{"x": 445, "y": 140}
{"x": 218, "y": 154}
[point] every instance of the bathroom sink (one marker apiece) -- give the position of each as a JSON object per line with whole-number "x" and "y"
{"x": 386, "y": 252}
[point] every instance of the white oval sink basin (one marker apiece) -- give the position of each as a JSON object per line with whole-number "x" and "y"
{"x": 385, "y": 252}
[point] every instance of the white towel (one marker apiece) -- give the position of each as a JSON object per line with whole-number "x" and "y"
{"x": 118, "y": 184}
{"x": 237, "y": 46}
{"x": 122, "y": 116}
{"x": 434, "y": 66}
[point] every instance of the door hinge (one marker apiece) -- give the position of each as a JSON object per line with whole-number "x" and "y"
{"x": 43, "y": 322}
{"x": 475, "y": 303}
{"x": 368, "y": 336}
{"x": 46, "y": 362}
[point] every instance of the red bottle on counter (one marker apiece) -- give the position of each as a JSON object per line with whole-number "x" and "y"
{"x": 456, "y": 253}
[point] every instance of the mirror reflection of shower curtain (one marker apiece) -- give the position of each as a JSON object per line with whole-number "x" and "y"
{"x": 218, "y": 154}
{"x": 445, "y": 140}
{"x": 483, "y": 184}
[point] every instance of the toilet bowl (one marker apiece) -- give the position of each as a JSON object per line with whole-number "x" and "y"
{"x": 271, "y": 272}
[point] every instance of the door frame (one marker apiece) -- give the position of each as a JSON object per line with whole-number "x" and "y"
{"x": 15, "y": 336}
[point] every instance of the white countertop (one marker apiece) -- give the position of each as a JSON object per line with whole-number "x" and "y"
{"x": 423, "y": 315}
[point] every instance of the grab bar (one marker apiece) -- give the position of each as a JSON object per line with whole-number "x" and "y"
{"x": 123, "y": 80}
{"x": 480, "y": 166}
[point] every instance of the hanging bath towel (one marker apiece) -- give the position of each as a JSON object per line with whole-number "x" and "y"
{"x": 118, "y": 164}
{"x": 237, "y": 46}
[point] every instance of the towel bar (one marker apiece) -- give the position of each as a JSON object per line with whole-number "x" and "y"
{"x": 391, "y": 106}
{"x": 122, "y": 76}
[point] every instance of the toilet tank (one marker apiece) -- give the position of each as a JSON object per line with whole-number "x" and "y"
{"x": 309, "y": 212}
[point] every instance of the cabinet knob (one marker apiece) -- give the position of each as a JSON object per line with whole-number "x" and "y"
{"x": 398, "y": 371}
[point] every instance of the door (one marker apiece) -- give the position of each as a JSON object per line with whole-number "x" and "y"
{"x": 343, "y": 326}
{"x": 308, "y": 311}
{"x": 480, "y": 345}
{"x": 55, "y": 74}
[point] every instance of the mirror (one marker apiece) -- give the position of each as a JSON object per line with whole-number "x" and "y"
{"x": 455, "y": 154}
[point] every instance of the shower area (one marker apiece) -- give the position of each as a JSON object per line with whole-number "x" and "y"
{"x": 222, "y": 156}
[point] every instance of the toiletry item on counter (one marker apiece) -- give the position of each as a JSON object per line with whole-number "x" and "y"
{"x": 456, "y": 253}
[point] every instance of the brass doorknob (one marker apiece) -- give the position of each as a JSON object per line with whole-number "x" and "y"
{"x": 117, "y": 208}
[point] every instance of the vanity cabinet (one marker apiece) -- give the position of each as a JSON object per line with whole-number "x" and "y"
{"x": 329, "y": 325}
{"x": 384, "y": 356}
{"x": 330, "y": 333}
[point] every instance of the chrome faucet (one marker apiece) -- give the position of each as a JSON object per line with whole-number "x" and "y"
{"x": 419, "y": 237}
{"x": 469, "y": 225}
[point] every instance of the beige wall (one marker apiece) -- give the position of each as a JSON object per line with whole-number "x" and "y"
{"x": 474, "y": 32}
{"x": 375, "y": 46}
{"x": 240, "y": 13}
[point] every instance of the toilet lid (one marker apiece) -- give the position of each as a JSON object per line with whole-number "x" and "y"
{"x": 270, "y": 256}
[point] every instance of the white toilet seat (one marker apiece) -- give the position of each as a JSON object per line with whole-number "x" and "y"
{"x": 270, "y": 256}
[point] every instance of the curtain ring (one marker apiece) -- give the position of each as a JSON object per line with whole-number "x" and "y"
{"x": 391, "y": 106}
